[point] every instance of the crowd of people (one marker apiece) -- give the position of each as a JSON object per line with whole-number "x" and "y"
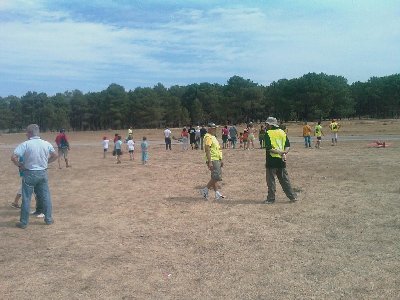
{"x": 33, "y": 156}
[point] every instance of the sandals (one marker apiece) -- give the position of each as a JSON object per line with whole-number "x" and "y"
{"x": 16, "y": 206}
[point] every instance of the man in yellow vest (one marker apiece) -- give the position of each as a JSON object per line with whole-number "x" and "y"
{"x": 277, "y": 146}
{"x": 214, "y": 162}
{"x": 334, "y": 126}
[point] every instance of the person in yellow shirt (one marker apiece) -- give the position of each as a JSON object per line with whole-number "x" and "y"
{"x": 334, "y": 127}
{"x": 318, "y": 133}
{"x": 307, "y": 135}
{"x": 213, "y": 156}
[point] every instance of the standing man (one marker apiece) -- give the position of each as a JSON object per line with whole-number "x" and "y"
{"x": 277, "y": 146}
{"x": 203, "y": 132}
{"x": 213, "y": 161}
{"x": 167, "y": 135}
{"x": 233, "y": 134}
{"x": 36, "y": 154}
{"x": 63, "y": 148}
{"x": 307, "y": 135}
{"x": 334, "y": 126}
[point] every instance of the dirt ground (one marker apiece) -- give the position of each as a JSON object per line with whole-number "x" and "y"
{"x": 143, "y": 232}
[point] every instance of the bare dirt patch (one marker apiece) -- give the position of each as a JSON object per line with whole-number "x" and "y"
{"x": 143, "y": 232}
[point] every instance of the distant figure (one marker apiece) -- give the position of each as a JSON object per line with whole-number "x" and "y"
{"x": 334, "y": 127}
{"x": 63, "y": 148}
{"x": 36, "y": 155}
{"x": 118, "y": 149}
{"x": 105, "y": 144}
{"x": 261, "y": 136}
{"x": 245, "y": 139}
{"x": 130, "y": 132}
{"x": 307, "y": 135}
{"x": 251, "y": 131}
{"x": 241, "y": 140}
{"x": 214, "y": 162}
{"x": 203, "y": 132}
{"x": 197, "y": 137}
{"x": 192, "y": 135}
{"x": 225, "y": 133}
{"x": 277, "y": 146}
{"x": 185, "y": 139}
{"x": 131, "y": 148}
{"x": 167, "y": 136}
{"x": 145, "y": 148}
{"x": 318, "y": 133}
{"x": 233, "y": 133}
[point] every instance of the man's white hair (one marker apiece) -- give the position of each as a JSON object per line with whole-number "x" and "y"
{"x": 33, "y": 129}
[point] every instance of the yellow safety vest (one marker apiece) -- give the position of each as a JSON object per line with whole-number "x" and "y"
{"x": 278, "y": 141}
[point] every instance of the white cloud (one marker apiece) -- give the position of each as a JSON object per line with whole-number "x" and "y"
{"x": 261, "y": 43}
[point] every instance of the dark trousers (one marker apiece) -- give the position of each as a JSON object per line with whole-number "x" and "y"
{"x": 283, "y": 178}
{"x": 167, "y": 143}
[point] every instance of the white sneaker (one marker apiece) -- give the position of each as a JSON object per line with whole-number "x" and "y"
{"x": 218, "y": 195}
{"x": 40, "y": 216}
{"x": 204, "y": 193}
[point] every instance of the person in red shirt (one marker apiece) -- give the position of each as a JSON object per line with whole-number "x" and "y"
{"x": 63, "y": 148}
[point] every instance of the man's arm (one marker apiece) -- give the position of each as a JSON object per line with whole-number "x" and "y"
{"x": 53, "y": 156}
{"x": 15, "y": 160}
{"x": 207, "y": 148}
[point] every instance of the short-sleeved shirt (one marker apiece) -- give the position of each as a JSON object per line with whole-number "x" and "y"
{"x": 62, "y": 141}
{"x": 203, "y": 132}
{"x": 215, "y": 149}
{"x": 105, "y": 144}
{"x": 167, "y": 133}
{"x": 318, "y": 130}
{"x": 306, "y": 130}
{"x": 131, "y": 145}
{"x": 118, "y": 145}
{"x": 233, "y": 131}
{"x": 35, "y": 153}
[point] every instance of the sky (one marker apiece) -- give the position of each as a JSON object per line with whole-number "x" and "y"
{"x": 53, "y": 46}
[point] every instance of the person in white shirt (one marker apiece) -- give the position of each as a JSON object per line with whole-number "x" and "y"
{"x": 131, "y": 148}
{"x": 105, "y": 143}
{"x": 167, "y": 135}
{"x": 36, "y": 154}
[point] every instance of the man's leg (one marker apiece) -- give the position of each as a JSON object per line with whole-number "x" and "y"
{"x": 270, "y": 177}
{"x": 59, "y": 158}
{"x": 284, "y": 180}
{"x": 28, "y": 183}
{"x": 43, "y": 196}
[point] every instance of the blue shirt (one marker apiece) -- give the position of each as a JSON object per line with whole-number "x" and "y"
{"x": 35, "y": 153}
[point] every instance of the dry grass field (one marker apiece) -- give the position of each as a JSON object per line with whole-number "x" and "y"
{"x": 143, "y": 232}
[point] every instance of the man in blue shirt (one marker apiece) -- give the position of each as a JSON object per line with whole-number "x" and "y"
{"x": 36, "y": 154}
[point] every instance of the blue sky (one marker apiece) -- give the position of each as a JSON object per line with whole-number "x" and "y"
{"x": 52, "y": 46}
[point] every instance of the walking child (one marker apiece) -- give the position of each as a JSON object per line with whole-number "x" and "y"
{"x": 145, "y": 147}
{"x": 131, "y": 148}
{"x": 105, "y": 143}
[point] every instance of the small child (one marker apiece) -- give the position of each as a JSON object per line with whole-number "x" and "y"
{"x": 131, "y": 148}
{"x": 241, "y": 140}
{"x": 105, "y": 146}
{"x": 145, "y": 146}
{"x": 118, "y": 149}
{"x": 245, "y": 139}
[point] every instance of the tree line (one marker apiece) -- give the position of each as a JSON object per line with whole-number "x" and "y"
{"x": 310, "y": 97}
